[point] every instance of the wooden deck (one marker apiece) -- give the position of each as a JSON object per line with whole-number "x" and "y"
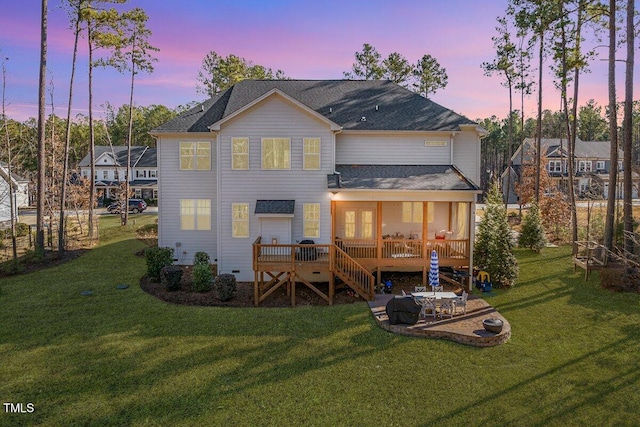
{"x": 352, "y": 261}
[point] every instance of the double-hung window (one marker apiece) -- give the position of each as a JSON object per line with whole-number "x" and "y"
{"x": 555, "y": 166}
{"x": 358, "y": 224}
{"x": 412, "y": 212}
{"x": 600, "y": 165}
{"x": 195, "y": 155}
{"x": 311, "y": 221}
{"x": 311, "y": 153}
{"x": 240, "y": 220}
{"x": 195, "y": 214}
{"x": 240, "y": 153}
{"x": 276, "y": 153}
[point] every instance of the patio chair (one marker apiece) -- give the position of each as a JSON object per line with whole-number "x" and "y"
{"x": 461, "y": 301}
{"x": 427, "y": 304}
{"x": 447, "y": 307}
{"x": 439, "y": 288}
{"x": 420, "y": 289}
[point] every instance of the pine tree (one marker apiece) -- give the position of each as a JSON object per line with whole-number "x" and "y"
{"x": 532, "y": 235}
{"x": 494, "y": 248}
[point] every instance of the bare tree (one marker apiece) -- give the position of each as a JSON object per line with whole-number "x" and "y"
{"x": 12, "y": 200}
{"x": 627, "y": 130}
{"x": 613, "y": 132}
{"x": 75, "y": 12}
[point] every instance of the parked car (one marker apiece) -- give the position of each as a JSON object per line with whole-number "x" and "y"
{"x": 135, "y": 206}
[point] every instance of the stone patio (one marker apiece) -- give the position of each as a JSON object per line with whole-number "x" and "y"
{"x": 462, "y": 328}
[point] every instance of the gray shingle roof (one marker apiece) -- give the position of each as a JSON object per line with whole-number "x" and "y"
{"x": 148, "y": 159}
{"x": 282, "y": 207}
{"x": 344, "y": 102}
{"x": 399, "y": 177}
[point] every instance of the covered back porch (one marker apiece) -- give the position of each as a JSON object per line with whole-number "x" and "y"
{"x": 401, "y": 235}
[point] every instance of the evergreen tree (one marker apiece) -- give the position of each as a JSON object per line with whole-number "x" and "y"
{"x": 494, "y": 248}
{"x": 532, "y": 235}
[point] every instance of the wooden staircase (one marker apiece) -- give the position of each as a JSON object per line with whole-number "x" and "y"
{"x": 353, "y": 274}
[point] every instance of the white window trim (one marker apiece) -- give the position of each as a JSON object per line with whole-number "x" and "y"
{"x": 234, "y": 221}
{"x": 305, "y": 154}
{"x": 262, "y": 152}
{"x": 600, "y": 164}
{"x": 196, "y": 215}
{"x": 234, "y": 154}
{"x": 305, "y": 221}
{"x": 194, "y": 157}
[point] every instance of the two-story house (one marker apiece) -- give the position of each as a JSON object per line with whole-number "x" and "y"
{"x": 111, "y": 166}
{"x": 11, "y": 186}
{"x": 307, "y": 180}
{"x": 592, "y": 166}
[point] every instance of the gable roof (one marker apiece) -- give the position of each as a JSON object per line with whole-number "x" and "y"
{"x": 551, "y": 148}
{"x": 372, "y": 105}
{"x": 15, "y": 178}
{"x": 141, "y": 156}
{"x": 399, "y": 177}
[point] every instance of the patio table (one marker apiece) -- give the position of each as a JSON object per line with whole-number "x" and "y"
{"x": 437, "y": 295}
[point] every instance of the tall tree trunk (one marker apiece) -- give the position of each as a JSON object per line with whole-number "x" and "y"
{"x": 510, "y": 145}
{"x": 129, "y": 134}
{"x": 539, "y": 124}
{"x": 12, "y": 200}
{"x": 92, "y": 139}
{"x": 67, "y": 143}
{"x": 574, "y": 125}
{"x": 613, "y": 132}
{"x": 627, "y": 129}
{"x": 41, "y": 133}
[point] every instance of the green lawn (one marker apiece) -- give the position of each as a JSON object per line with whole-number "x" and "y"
{"x": 121, "y": 357}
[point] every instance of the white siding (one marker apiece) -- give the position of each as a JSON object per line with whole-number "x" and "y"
{"x": 175, "y": 185}
{"x": 274, "y": 117}
{"x": 5, "y": 201}
{"x": 466, "y": 155}
{"x": 392, "y": 149}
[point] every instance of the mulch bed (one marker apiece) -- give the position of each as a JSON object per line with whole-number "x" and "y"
{"x": 244, "y": 297}
{"x": 620, "y": 278}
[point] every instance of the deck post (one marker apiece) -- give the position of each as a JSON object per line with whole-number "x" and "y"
{"x": 256, "y": 293}
{"x": 292, "y": 284}
{"x": 378, "y": 243}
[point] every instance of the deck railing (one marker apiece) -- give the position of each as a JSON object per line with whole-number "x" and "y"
{"x": 354, "y": 274}
{"x": 398, "y": 249}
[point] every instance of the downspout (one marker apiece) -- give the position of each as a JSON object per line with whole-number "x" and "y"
{"x": 219, "y": 201}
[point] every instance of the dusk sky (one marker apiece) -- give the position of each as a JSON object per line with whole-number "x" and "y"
{"x": 307, "y": 40}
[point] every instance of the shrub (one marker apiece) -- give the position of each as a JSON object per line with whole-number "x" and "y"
{"x": 201, "y": 258}
{"x": 170, "y": 277}
{"x": 201, "y": 278}
{"x": 22, "y": 229}
{"x": 494, "y": 248}
{"x": 148, "y": 229}
{"x": 225, "y": 286}
{"x": 532, "y": 234}
{"x": 157, "y": 258}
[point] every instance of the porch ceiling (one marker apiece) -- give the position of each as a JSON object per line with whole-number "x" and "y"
{"x": 399, "y": 177}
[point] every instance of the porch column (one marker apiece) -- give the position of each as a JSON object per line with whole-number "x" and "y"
{"x": 425, "y": 233}
{"x": 472, "y": 232}
{"x": 378, "y": 244}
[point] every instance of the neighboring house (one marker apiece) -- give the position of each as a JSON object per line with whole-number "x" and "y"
{"x": 15, "y": 186}
{"x": 592, "y": 166}
{"x": 110, "y": 169}
{"x": 375, "y": 175}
